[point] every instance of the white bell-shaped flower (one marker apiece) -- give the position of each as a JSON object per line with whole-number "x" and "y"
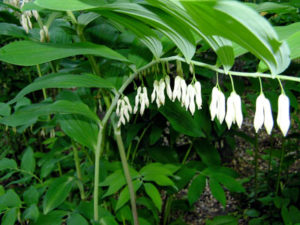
{"x": 283, "y": 116}
{"x": 234, "y": 110}
{"x": 123, "y": 110}
{"x": 263, "y": 114}
{"x": 168, "y": 87}
{"x": 159, "y": 92}
{"x": 183, "y": 87}
{"x": 177, "y": 89}
{"x": 217, "y": 105}
{"x": 141, "y": 99}
{"x": 137, "y": 100}
{"x": 213, "y": 103}
{"x": 190, "y": 98}
{"x": 198, "y": 95}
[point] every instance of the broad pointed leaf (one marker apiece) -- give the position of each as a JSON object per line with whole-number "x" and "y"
{"x": 72, "y": 5}
{"x": 29, "y": 53}
{"x": 225, "y": 18}
{"x": 63, "y": 81}
{"x": 32, "y": 112}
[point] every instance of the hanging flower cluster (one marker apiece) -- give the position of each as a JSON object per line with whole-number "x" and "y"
{"x": 190, "y": 97}
{"x": 25, "y": 18}
{"x": 123, "y": 110}
{"x": 141, "y": 99}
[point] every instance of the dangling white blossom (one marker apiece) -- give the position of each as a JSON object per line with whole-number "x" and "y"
{"x": 198, "y": 94}
{"x": 217, "y": 105}
{"x": 283, "y": 116}
{"x": 141, "y": 99}
{"x": 123, "y": 110}
{"x": 234, "y": 110}
{"x": 190, "y": 98}
{"x": 263, "y": 114}
{"x": 44, "y": 34}
{"x": 177, "y": 89}
{"x": 159, "y": 92}
{"x": 15, "y": 3}
{"x": 168, "y": 87}
{"x": 183, "y": 87}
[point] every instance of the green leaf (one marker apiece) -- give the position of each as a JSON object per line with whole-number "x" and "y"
{"x": 30, "y": 113}
{"x": 208, "y": 153}
{"x": 28, "y": 160}
{"x": 155, "y": 168}
{"x": 2, "y": 190}
{"x": 79, "y": 128}
{"x": 4, "y": 109}
{"x": 174, "y": 29}
{"x": 223, "y": 220}
{"x": 155, "y": 135}
{"x": 273, "y": 7}
{"x": 284, "y": 32}
{"x": 163, "y": 154}
{"x": 230, "y": 183}
{"x": 183, "y": 122}
{"x": 224, "y": 18}
{"x": 145, "y": 34}
{"x": 220, "y": 45}
{"x": 71, "y": 5}
{"x": 86, "y": 18}
{"x": 10, "y": 217}
{"x": 31, "y": 196}
{"x": 196, "y": 189}
{"x": 124, "y": 195}
{"x": 58, "y": 191}
{"x": 63, "y": 81}
{"x": 6, "y": 163}
{"x": 159, "y": 179}
{"x": 29, "y": 53}
{"x": 31, "y": 213}
{"x": 76, "y": 219}
{"x": 108, "y": 220}
{"x": 53, "y": 218}
{"x": 115, "y": 186}
{"x": 154, "y": 194}
{"x": 12, "y": 30}
{"x": 10, "y": 199}
{"x": 217, "y": 191}
{"x": 293, "y": 42}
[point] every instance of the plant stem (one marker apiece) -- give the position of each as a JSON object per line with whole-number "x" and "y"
{"x": 80, "y": 34}
{"x": 187, "y": 153}
{"x": 40, "y": 75}
{"x": 98, "y": 151}
{"x": 78, "y": 172}
{"x": 236, "y": 73}
{"x": 167, "y": 210}
{"x": 139, "y": 141}
{"x": 29, "y": 173}
{"x": 280, "y": 167}
{"x": 127, "y": 175}
{"x": 256, "y": 167}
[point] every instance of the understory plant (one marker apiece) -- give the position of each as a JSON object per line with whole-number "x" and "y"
{"x": 121, "y": 106}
